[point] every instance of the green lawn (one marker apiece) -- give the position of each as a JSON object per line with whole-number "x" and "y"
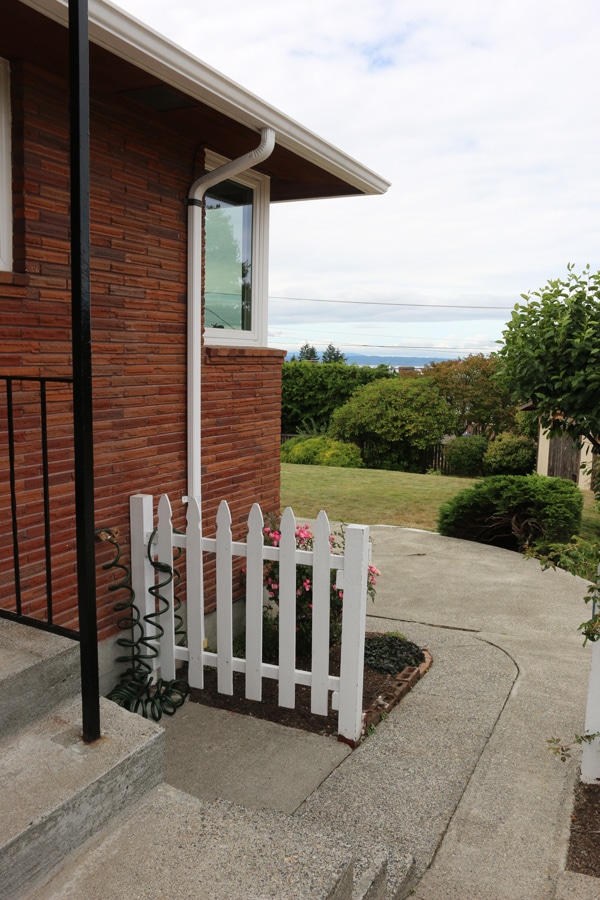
{"x": 367, "y": 496}
{"x": 378, "y": 497}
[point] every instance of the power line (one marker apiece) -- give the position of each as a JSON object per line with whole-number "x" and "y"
{"x": 386, "y": 303}
{"x": 406, "y": 347}
{"x": 291, "y": 336}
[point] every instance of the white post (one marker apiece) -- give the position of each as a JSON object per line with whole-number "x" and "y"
{"x": 141, "y": 517}
{"x": 321, "y": 592}
{"x": 254, "y": 603}
{"x": 287, "y": 610}
{"x": 356, "y": 561}
{"x": 224, "y": 600}
{"x": 590, "y": 762}
{"x": 164, "y": 539}
{"x": 195, "y": 593}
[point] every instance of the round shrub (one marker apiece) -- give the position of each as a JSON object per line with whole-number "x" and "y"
{"x": 464, "y": 455}
{"x": 510, "y": 454}
{"x": 514, "y": 511}
{"x": 392, "y": 420}
{"x": 321, "y": 451}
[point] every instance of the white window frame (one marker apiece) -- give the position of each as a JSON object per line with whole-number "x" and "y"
{"x": 257, "y": 336}
{"x": 5, "y": 170}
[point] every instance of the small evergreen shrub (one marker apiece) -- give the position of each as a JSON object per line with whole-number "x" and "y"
{"x": 510, "y": 454}
{"x": 514, "y": 511}
{"x": 321, "y": 451}
{"x": 464, "y": 455}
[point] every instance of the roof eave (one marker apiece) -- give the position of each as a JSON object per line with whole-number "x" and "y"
{"x": 128, "y": 38}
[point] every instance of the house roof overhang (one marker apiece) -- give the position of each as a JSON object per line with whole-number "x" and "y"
{"x": 144, "y": 67}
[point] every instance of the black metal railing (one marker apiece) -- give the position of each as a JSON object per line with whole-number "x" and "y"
{"x": 13, "y": 385}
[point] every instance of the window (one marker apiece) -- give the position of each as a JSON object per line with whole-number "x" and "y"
{"x": 5, "y": 170}
{"x": 236, "y": 258}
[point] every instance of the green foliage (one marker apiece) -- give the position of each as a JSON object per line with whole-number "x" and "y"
{"x": 308, "y": 353}
{"x": 577, "y": 556}
{"x": 304, "y": 593}
{"x": 321, "y": 451}
{"x": 564, "y": 751}
{"x": 514, "y": 511}
{"x": 310, "y": 393}
{"x": 464, "y": 455}
{"x": 527, "y": 423}
{"x": 510, "y": 454}
{"x": 332, "y": 354}
{"x": 391, "y": 420}
{"x": 390, "y": 653}
{"x": 477, "y": 400}
{"x": 551, "y": 354}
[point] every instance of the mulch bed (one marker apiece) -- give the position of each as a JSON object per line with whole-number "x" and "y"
{"x": 584, "y": 846}
{"x": 380, "y": 694}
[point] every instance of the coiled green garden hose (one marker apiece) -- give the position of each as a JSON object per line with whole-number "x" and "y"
{"x": 136, "y": 690}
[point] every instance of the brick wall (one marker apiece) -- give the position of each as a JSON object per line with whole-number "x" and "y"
{"x": 141, "y": 172}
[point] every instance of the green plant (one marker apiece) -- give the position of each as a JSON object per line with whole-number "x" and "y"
{"x": 311, "y": 392}
{"x": 464, "y": 455}
{"x": 514, "y": 511}
{"x": 390, "y": 653}
{"x": 578, "y": 556}
{"x": 550, "y": 354}
{"x": 304, "y": 593}
{"x": 564, "y": 751}
{"x": 391, "y": 420}
{"x": 321, "y": 451}
{"x": 476, "y": 399}
{"x": 510, "y": 454}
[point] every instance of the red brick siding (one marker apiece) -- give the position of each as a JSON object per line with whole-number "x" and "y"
{"x": 141, "y": 172}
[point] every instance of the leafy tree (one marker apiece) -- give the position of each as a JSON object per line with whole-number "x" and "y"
{"x": 393, "y": 419}
{"x": 308, "y": 353}
{"x": 309, "y": 393}
{"x": 551, "y": 355}
{"x": 477, "y": 400}
{"x": 332, "y": 354}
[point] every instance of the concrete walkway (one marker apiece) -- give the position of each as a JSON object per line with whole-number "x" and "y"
{"x": 459, "y": 775}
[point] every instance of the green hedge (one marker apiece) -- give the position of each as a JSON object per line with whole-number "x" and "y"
{"x": 310, "y": 392}
{"x": 510, "y": 454}
{"x": 321, "y": 451}
{"x": 514, "y": 511}
{"x": 464, "y": 455}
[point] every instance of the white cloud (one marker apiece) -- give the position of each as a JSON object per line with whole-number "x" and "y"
{"x": 481, "y": 114}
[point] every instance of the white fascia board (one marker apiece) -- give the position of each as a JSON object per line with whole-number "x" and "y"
{"x": 130, "y": 39}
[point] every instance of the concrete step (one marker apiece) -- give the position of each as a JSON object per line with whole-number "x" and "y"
{"x": 174, "y": 845}
{"x": 37, "y": 671}
{"x": 57, "y": 791}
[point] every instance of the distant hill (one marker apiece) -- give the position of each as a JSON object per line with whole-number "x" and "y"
{"x": 359, "y": 360}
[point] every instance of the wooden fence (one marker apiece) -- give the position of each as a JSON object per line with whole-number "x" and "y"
{"x": 351, "y": 576}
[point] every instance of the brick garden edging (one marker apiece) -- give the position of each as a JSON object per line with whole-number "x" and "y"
{"x": 400, "y": 685}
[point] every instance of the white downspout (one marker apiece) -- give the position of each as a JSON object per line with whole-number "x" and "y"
{"x": 195, "y": 265}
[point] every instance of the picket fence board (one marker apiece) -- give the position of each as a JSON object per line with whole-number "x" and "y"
{"x": 142, "y": 573}
{"x": 224, "y": 600}
{"x": 195, "y": 591}
{"x": 254, "y": 603}
{"x": 287, "y": 609}
{"x": 321, "y": 575}
{"x": 345, "y": 689}
{"x": 164, "y": 537}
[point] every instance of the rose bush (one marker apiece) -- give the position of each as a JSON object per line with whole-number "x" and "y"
{"x": 304, "y": 592}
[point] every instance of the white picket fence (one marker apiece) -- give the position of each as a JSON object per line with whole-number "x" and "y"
{"x": 351, "y": 568}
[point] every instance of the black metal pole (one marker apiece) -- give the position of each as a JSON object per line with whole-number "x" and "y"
{"x": 82, "y": 363}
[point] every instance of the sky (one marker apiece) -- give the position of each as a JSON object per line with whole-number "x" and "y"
{"x": 483, "y": 115}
